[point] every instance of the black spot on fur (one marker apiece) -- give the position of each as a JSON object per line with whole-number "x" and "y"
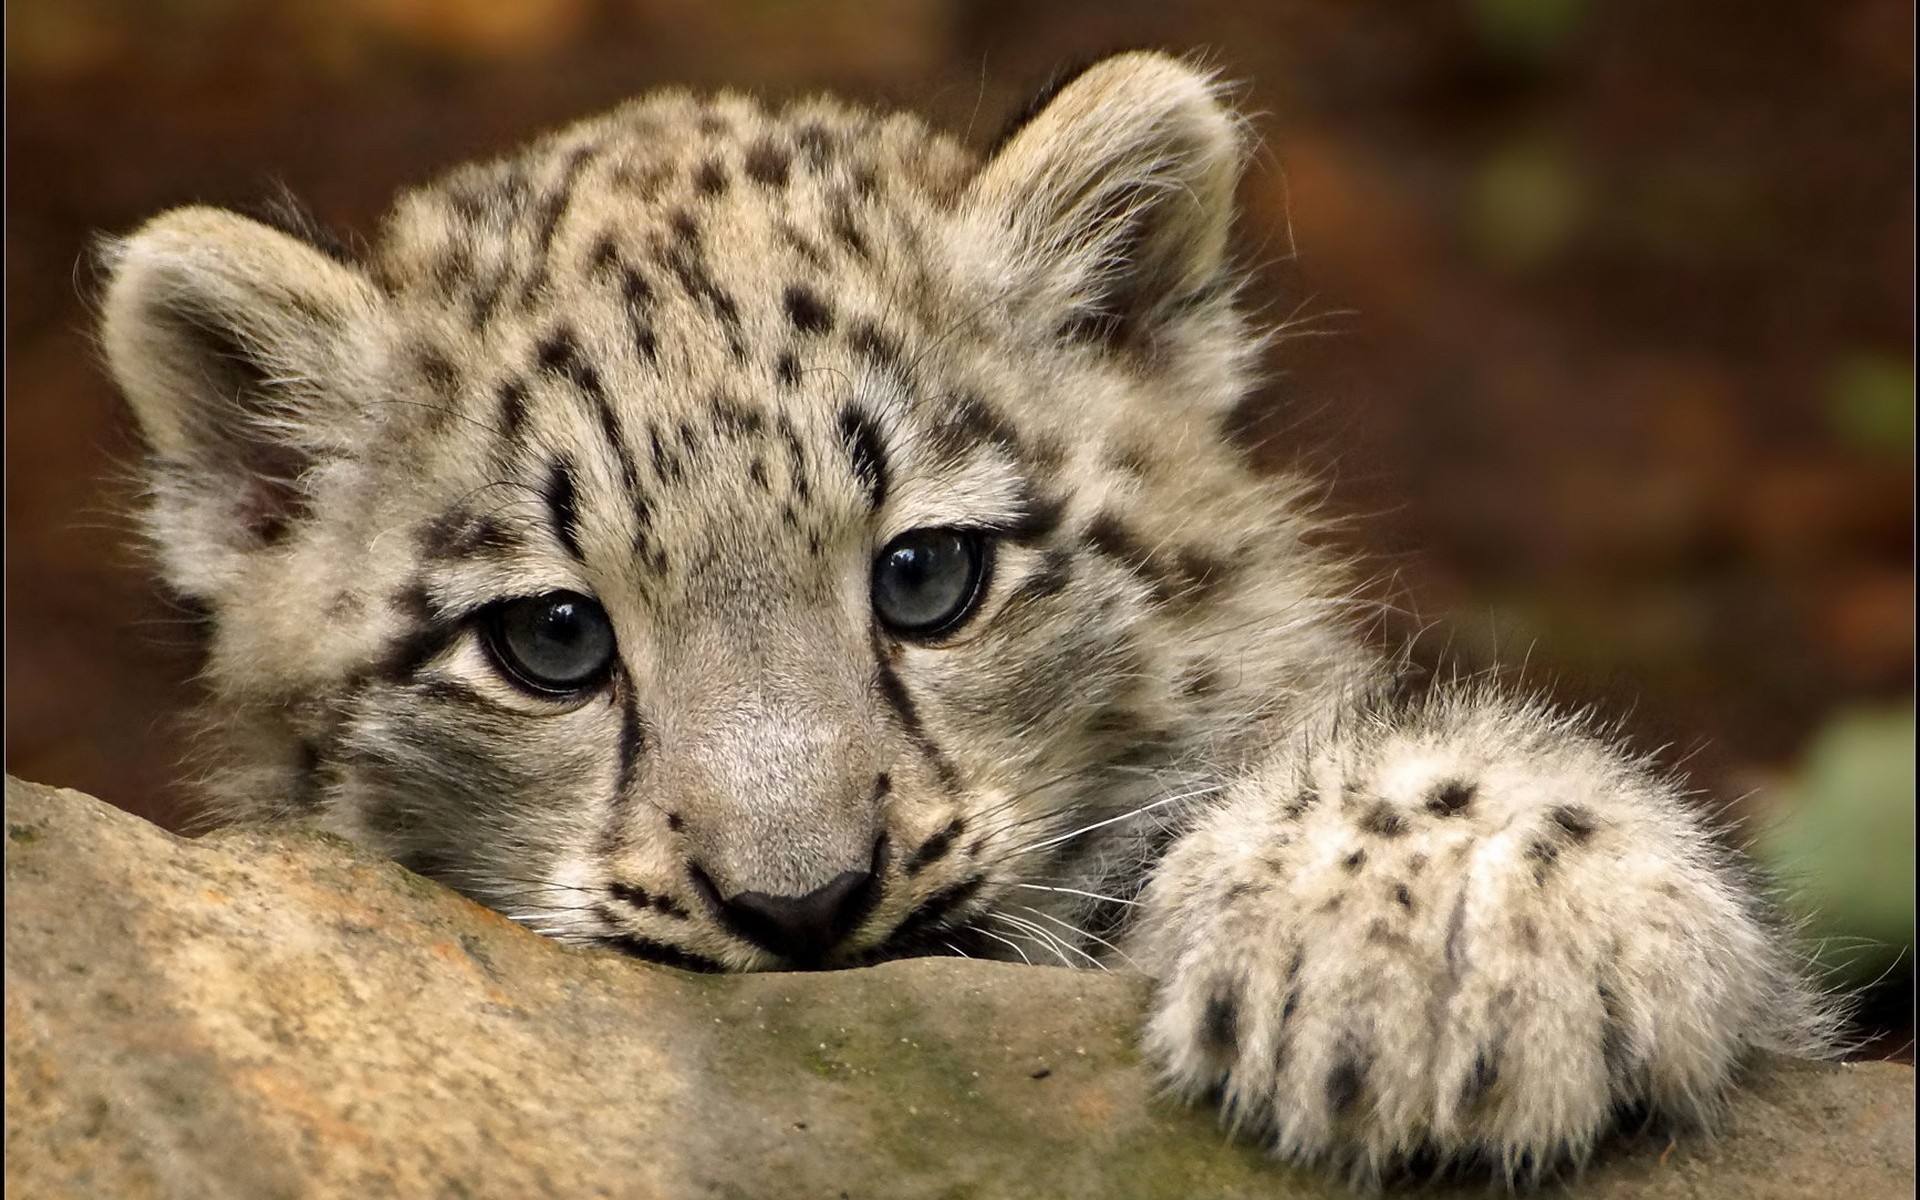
{"x": 936, "y": 847}
{"x": 923, "y": 928}
{"x": 560, "y": 497}
{"x": 848, "y": 234}
{"x": 1201, "y": 680}
{"x": 430, "y": 633}
{"x": 710, "y": 179}
{"x": 732, "y": 417}
{"x": 1384, "y": 820}
{"x": 632, "y": 737}
{"x": 1346, "y": 1080}
{"x": 1615, "y": 1048}
{"x": 441, "y": 376}
{"x": 675, "y": 822}
{"x": 968, "y": 423}
{"x": 1108, "y": 536}
{"x": 1219, "y": 1025}
{"x": 786, "y": 369}
{"x": 631, "y": 894}
{"x": 284, "y": 211}
{"x": 895, "y": 694}
{"x": 1034, "y": 107}
{"x": 1544, "y": 854}
{"x": 513, "y": 406}
{"x": 685, "y": 257}
{"x": 1040, "y": 515}
{"x": 1353, "y": 862}
{"x": 806, "y": 310}
{"x": 1403, "y": 896}
{"x": 649, "y": 950}
{"x": 816, "y": 142}
{"x": 1450, "y": 797}
{"x": 1052, "y": 576}
{"x": 1576, "y": 822}
{"x": 802, "y": 245}
{"x": 874, "y": 344}
{"x": 1381, "y": 933}
{"x": 768, "y": 162}
{"x": 1479, "y": 1083}
{"x": 460, "y": 535}
{"x": 862, "y": 440}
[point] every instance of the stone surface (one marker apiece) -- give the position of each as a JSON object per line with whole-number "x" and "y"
{"x": 275, "y": 1016}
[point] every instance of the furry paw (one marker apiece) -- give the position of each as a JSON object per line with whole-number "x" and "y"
{"x": 1467, "y": 936}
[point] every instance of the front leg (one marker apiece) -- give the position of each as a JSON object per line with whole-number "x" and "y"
{"x": 1464, "y": 931}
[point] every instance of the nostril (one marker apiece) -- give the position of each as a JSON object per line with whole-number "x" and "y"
{"x": 802, "y": 929}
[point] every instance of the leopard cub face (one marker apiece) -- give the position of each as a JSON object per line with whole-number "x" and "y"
{"x": 750, "y": 538}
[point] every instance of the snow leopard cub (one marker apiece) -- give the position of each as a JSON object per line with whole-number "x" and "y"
{"x": 765, "y": 538}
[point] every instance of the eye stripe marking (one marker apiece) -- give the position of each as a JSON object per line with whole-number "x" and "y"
{"x": 895, "y": 694}
{"x": 862, "y": 440}
{"x": 559, "y": 495}
{"x": 631, "y": 740}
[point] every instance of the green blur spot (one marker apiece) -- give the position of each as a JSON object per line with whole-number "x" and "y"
{"x": 1843, "y": 843}
{"x": 1870, "y": 401}
{"x": 1530, "y": 30}
{"x": 1527, "y": 203}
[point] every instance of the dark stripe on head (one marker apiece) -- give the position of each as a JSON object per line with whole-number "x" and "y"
{"x": 895, "y": 694}
{"x": 862, "y": 440}
{"x": 969, "y": 423}
{"x": 1040, "y": 515}
{"x": 935, "y": 848}
{"x": 631, "y": 740}
{"x": 921, "y": 930}
{"x": 460, "y": 534}
{"x": 711, "y": 178}
{"x": 1347, "y": 1079}
{"x": 430, "y": 631}
{"x": 1050, "y": 578}
{"x": 284, "y": 211}
{"x": 768, "y": 162}
{"x": 732, "y": 416}
{"x": 649, "y": 950}
{"x": 1034, "y": 107}
{"x": 872, "y": 343}
{"x": 807, "y": 312}
{"x": 513, "y": 406}
{"x": 560, "y": 497}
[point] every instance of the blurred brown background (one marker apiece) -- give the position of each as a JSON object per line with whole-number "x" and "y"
{"x": 1605, "y": 309}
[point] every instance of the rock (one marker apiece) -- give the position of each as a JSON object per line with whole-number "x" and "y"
{"x": 255, "y": 1015}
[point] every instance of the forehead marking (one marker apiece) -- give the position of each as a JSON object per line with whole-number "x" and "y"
{"x": 559, "y": 495}
{"x": 864, "y": 449}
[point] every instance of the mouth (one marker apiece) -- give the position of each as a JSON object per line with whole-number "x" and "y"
{"x": 940, "y": 926}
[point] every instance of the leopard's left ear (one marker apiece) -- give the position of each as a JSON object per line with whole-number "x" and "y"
{"x": 1107, "y": 211}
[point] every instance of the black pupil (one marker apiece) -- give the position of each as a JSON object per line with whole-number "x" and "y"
{"x": 557, "y": 642}
{"x": 926, "y": 579}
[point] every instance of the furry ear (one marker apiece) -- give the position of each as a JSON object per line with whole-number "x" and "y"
{"x": 1109, "y": 207}
{"x": 231, "y": 341}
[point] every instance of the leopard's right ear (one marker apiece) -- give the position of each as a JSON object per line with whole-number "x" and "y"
{"x": 237, "y": 346}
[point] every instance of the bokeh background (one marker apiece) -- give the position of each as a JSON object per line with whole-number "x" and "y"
{"x": 1599, "y": 317}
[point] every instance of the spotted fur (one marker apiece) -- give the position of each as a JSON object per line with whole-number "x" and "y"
{"x": 699, "y": 360}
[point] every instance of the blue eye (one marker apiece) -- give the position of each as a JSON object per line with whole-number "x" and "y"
{"x": 927, "y": 581}
{"x": 552, "y": 645}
